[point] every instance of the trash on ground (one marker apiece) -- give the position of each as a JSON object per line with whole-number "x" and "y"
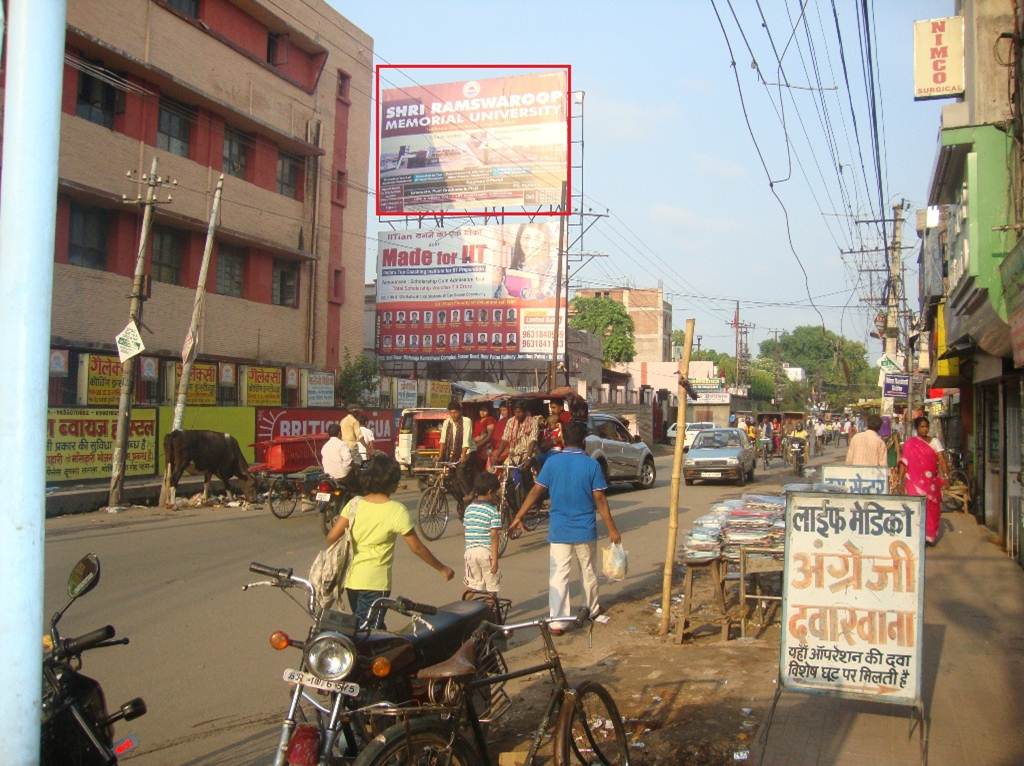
{"x": 603, "y": 619}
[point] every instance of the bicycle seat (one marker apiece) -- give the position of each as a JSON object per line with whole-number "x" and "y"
{"x": 459, "y": 665}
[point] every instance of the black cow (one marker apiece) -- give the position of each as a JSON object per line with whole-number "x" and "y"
{"x": 207, "y": 452}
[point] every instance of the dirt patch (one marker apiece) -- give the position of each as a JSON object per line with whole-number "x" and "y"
{"x": 699, "y": 702}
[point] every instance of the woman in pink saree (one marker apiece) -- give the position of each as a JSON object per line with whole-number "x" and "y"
{"x": 919, "y": 475}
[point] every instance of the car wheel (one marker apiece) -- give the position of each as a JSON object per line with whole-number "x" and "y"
{"x": 742, "y": 478}
{"x": 648, "y": 475}
{"x": 750, "y": 477}
{"x": 688, "y": 482}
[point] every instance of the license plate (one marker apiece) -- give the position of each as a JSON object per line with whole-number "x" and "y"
{"x": 711, "y": 474}
{"x": 323, "y": 497}
{"x": 308, "y": 679}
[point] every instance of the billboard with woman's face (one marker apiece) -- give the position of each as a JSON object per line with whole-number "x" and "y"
{"x": 502, "y": 279}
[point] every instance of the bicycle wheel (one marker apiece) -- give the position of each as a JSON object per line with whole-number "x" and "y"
{"x": 329, "y": 513}
{"x": 506, "y": 520}
{"x": 425, "y": 741}
{"x": 589, "y": 729}
{"x": 432, "y": 516}
{"x": 283, "y": 498}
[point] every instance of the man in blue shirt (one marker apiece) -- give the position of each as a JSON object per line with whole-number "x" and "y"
{"x": 576, "y": 484}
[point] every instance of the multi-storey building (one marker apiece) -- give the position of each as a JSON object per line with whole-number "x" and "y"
{"x": 651, "y": 315}
{"x": 274, "y": 94}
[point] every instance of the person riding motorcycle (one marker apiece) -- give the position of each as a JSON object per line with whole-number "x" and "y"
{"x": 336, "y": 458}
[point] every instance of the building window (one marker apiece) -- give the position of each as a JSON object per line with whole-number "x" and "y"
{"x": 230, "y": 271}
{"x": 276, "y": 50}
{"x": 87, "y": 240}
{"x": 341, "y": 187}
{"x": 285, "y": 290}
{"x": 168, "y": 250}
{"x": 235, "y": 150}
{"x": 174, "y": 127}
{"x": 97, "y": 100}
{"x": 344, "y": 85}
{"x": 289, "y": 170}
{"x": 188, "y": 8}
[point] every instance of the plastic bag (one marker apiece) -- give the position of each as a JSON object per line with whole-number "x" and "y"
{"x": 615, "y": 562}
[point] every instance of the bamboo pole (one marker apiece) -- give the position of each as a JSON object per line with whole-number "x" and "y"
{"x": 677, "y": 470}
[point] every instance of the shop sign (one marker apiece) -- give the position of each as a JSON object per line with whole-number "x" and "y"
{"x": 858, "y": 479}
{"x": 714, "y": 397}
{"x": 202, "y": 384}
{"x": 853, "y": 596}
{"x": 59, "y": 360}
{"x": 939, "y": 58}
{"x": 99, "y": 380}
{"x": 896, "y": 385}
{"x": 405, "y": 393}
{"x": 275, "y": 422}
{"x": 262, "y": 386}
{"x": 80, "y": 443}
{"x": 319, "y": 388}
{"x": 439, "y": 393}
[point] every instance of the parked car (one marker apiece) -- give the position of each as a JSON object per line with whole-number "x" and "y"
{"x": 622, "y": 456}
{"x": 720, "y": 453}
{"x": 692, "y": 429}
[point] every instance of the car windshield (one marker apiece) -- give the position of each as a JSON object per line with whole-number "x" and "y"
{"x": 699, "y": 426}
{"x": 717, "y": 440}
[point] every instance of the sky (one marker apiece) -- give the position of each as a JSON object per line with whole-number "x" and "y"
{"x": 668, "y": 152}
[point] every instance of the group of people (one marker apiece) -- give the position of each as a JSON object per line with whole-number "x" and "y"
{"x": 349, "y": 444}
{"x": 573, "y": 480}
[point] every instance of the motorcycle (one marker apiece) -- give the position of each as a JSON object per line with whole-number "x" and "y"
{"x": 798, "y": 450}
{"x": 76, "y": 727}
{"x": 331, "y": 497}
{"x": 348, "y": 670}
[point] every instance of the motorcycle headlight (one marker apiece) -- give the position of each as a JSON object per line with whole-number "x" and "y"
{"x": 331, "y": 656}
{"x": 731, "y": 461}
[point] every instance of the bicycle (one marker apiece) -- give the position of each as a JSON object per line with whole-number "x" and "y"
{"x": 432, "y": 514}
{"x": 764, "y": 447}
{"x": 957, "y": 493}
{"x": 587, "y": 725}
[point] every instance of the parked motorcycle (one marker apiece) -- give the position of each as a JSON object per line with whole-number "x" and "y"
{"x": 798, "y": 451}
{"x": 77, "y": 730}
{"x": 347, "y": 670}
{"x": 331, "y": 497}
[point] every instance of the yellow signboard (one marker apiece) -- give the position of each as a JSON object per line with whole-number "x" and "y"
{"x": 939, "y": 58}
{"x": 262, "y": 386}
{"x": 99, "y": 379}
{"x": 202, "y": 384}
{"x": 80, "y": 443}
{"x": 439, "y": 393}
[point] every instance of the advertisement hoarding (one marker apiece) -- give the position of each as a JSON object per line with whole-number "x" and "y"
{"x": 202, "y": 383}
{"x": 274, "y": 422}
{"x": 464, "y": 146}
{"x": 853, "y": 596}
{"x": 80, "y": 443}
{"x": 261, "y": 386}
{"x": 476, "y": 292}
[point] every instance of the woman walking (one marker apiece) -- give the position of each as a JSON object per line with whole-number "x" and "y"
{"x": 918, "y": 474}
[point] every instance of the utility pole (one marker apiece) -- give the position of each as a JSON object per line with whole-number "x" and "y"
{"x": 892, "y": 316}
{"x": 777, "y": 353}
{"x": 124, "y": 405}
{"x": 553, "y": 364}
{"x": 188, "y": 349}
{"x": 698, "y": 343}
{"x": 742, "y": 330}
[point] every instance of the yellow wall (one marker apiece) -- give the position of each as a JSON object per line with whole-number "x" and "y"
{"x": 240, "y": 422}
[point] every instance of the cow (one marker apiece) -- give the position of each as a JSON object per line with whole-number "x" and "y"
{"x": 207, "y": 452}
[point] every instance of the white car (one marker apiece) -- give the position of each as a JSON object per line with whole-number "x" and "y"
{"x": 692, "y": 429}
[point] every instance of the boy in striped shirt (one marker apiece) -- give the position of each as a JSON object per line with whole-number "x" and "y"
{"x": 482, "y": 521}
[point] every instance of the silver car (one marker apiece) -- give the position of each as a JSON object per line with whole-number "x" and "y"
{"x": 720, "y": 453}
{"x": 623, "y": 457}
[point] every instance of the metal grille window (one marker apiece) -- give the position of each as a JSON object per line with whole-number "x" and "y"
{"x": 174, "y": 127}
{"x": 230, "y": 271}
{"x": 97, "y": 100}
{"x": 87, "y": 238}
{"x": 188, "y": 8}
{"x": 285, "y": 289}
{"x": 168, "y": 249}
{"x": 288, "y": 169}
{"x": 235, "y": 150}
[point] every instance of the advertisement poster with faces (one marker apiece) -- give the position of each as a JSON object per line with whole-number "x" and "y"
{"x": 473, "y": 292}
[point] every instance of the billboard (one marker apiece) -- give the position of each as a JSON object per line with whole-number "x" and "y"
{"x": 475, "y": 292}
{"x": 939, "y": 58}
{"x": 458, "y": 147}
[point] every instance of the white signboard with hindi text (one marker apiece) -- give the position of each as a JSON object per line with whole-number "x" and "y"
{"x": 858, "y": 479}
{"x": 853, "y": 596}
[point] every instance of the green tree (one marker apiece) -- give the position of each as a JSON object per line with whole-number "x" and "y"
{"x": 357, "y": 377}
{"x": 610, "y": 322}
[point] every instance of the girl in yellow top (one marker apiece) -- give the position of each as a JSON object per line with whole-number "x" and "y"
{"x": 377, "y": 521}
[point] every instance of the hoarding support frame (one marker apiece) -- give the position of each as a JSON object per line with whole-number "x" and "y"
{"x": 559, "y": 273}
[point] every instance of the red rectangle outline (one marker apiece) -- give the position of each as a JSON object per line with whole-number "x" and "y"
{"x": 568, "y": 133}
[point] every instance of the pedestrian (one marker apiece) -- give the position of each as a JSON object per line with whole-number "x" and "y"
{"x": 482, "y": 527}
{"x": 819, "y": 435}
{"x": 376, "y": 521}
{"x": 576, "y": 485}
{"x": 846, "y": 431}
{"x": 919, "y": 474}
{"x": 867, "y": 447}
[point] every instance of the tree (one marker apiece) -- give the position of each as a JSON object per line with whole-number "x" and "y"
{"x": 357, "y": 377}
{"x": 610, "y": 322}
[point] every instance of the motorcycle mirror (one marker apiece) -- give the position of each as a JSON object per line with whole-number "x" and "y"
{"x": 84, "y": 577}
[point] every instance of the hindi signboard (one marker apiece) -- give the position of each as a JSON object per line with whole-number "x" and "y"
{"x": 439, "y": 393}
{"x": 475, "y": 292}
{"x": 465, "y": 146}
{"x": 202, "y": 383}
{"x": 261, "y": 386}
{"x": 80, "y": 443}
{"x": 853, "y": 596}
{"x": 857, "y": 479}
{"x": 319, "y": 388}
{"x": 99, "y": 380}
{"x": 405, "y": 393}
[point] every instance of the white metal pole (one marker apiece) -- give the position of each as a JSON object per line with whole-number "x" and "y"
{"x": 28, "y": 207}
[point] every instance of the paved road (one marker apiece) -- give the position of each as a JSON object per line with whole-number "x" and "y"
{"x": 199, "y": 653}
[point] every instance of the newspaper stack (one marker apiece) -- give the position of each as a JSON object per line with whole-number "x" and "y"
{"x": 758, "y": 523}
{"x": 703, "y": 543}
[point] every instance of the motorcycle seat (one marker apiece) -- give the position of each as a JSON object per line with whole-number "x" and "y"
{"x": 459, "y": 665}
{"x": 452, "y": 625}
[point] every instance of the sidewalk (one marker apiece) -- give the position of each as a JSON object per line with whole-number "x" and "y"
{"x": 973, "y": 674}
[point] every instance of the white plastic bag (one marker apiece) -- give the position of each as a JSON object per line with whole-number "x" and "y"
{"x": 615, "y": 562}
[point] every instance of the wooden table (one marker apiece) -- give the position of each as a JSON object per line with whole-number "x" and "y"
{"x": 714, "y": 569}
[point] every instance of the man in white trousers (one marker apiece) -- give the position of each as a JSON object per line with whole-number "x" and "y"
{"x": 576, "y": 484}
